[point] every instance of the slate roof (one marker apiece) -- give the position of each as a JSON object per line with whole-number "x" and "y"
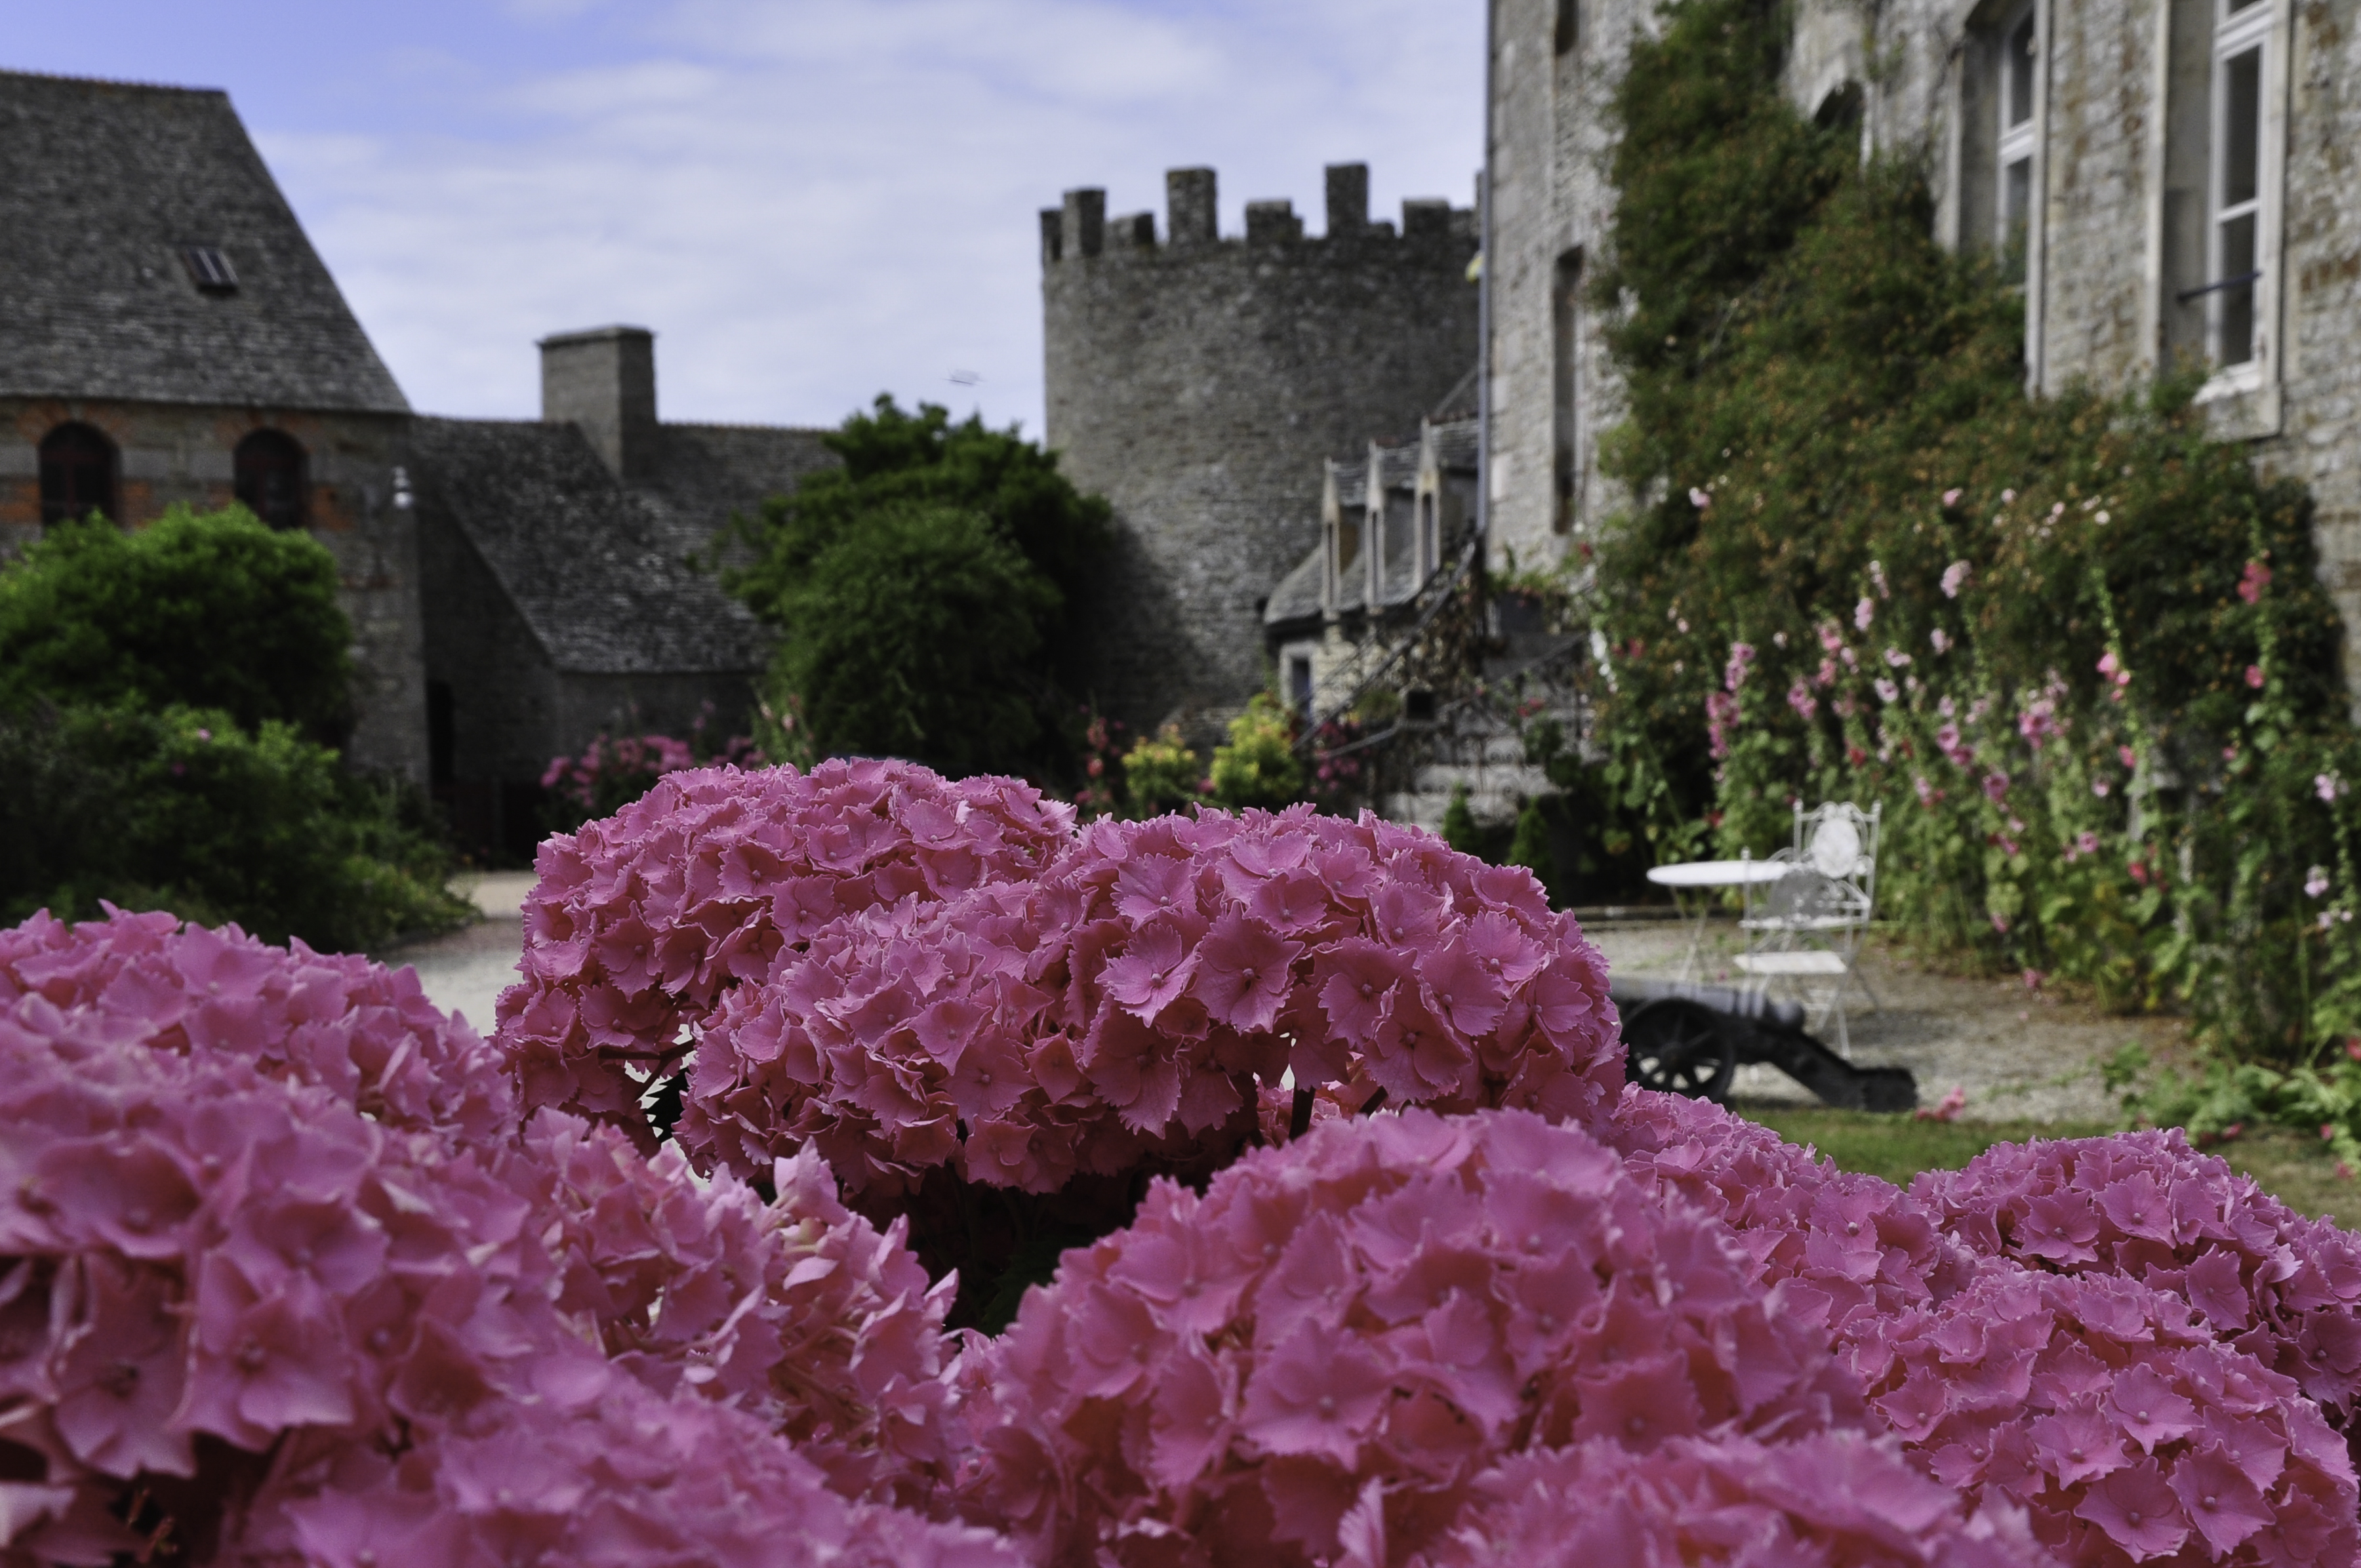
{"x": 1297, "y": 597}
{"x": 102, "y": 183}
{"x": 598, "y": 570}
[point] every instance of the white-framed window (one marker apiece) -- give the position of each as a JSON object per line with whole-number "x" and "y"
{"x": 2240, "y": 233}
{"x": 2020, "y": 77}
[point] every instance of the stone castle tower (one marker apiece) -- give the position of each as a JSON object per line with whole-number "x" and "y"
{"x": 1201, "y": 382}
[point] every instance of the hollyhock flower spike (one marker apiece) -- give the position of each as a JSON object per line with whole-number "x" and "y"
{"x": 2106, "y": 1411}
{"x": 1822, "y": 1501}
{"x": 2273, "y": 1284}
{"x": 642, "y": 921}
{"x": 1366, "y": 1319}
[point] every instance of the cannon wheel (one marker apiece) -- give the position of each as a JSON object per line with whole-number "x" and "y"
{"x": 1680, "y": 1048}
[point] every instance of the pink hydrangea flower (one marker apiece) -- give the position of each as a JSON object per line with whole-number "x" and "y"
{"x": 1138, "y": 1004}
{"x": 1831, "y": 1498}
{"x": 2282, "y": 1287}
{"x": 1371, "y": 1316}
{"x": 642, "y": 922}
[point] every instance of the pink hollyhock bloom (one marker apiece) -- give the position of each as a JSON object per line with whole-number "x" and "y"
{"x": 1940, "y": 639}
{"x": 1699, "y": 498}
{"x": 1952, "y": 497}
{"x": 2255, "y": 578}
{"x": 1800, "y": 698}
{"x": 1995, "y": 785}
{"x": 1955, "y": 577}
{"x": 2254, "y": 676}
{"x": 1897, "y": 659}
{"x": 2328, "y": 787}
{"x": 1863, "y": 613}
{"x": 1886, "y": 690}
{"x": 1928, "y": 794}
{"x": 1831, "y": 637}
{"x": 1877, "y": 577}
{"x": 1733, "y": 674}
{"x": 2315, "y": 882}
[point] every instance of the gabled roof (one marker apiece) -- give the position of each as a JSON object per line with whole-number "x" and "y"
{"x": 600, "y": 571}
{"x": 102, "y": 185}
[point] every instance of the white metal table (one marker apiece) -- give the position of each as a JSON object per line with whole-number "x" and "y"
{"x": 1700, "y": 876}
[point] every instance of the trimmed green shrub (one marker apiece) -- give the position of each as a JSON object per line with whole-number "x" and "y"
{"x": 921, "y": 592}
{"x": 211, "y": 609}
{"x": 1258, "y": 766}
{"x": 916, "y": 635}
{"x": 182, "y": 810}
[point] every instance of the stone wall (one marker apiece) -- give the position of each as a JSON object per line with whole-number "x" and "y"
{"x": 1199, "y": 382}
{"x": 2103, "y": 270}
{"x": 170, "y": 454}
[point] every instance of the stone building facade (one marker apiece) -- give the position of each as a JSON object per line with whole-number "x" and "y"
{"x": 2181, "y": 179}
{"x": 568, "y": 584}
{"x": 168, "y": 335}
{"x": 1200, "y": 382}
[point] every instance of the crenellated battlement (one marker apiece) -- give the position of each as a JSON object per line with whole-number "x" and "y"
{"x": 1079, "y": 228}
{"x": 1198, "y": 380}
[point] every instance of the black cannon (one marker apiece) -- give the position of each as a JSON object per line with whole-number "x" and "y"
{"x": 1689, "y": 1039}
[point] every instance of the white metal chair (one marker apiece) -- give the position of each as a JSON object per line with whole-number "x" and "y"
{"x": 1806, "y": 928}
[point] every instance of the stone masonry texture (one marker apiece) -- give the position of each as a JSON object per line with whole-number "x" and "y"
{"x": 2094, "y": 300}
{"x": 1199, "y": 383}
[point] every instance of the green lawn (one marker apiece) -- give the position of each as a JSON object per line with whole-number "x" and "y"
{"x": 1898, "y": 1147}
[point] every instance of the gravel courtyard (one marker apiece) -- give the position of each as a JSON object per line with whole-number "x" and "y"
{"x": 2015, "y": 1052}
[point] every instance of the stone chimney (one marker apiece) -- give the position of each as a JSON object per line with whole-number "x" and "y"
{"x": 604, "y": 380}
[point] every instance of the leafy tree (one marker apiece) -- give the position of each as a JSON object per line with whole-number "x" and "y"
{"x": 208, "y": 609}
{"x": 916, "y": 634}
{"x": 920, "y": 591}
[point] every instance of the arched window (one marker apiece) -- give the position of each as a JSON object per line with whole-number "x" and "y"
{"x": 269, "y": 469}
{"x": 77, "y": 473}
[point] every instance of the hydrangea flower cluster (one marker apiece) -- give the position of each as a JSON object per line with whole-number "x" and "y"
{"x": 365, "y": 1033}
{"x": 228, "y": 1292}
{"x": 641, "y": 921}
{"x": 1137, "y": 997}
{"x": 1382, "y": 1309}
{"x": 1833, "y": 1498}
{"x": 1843, "y": 1246}
{"x": 2108, "y": 1410}
{"x": 2284, "y": 1289}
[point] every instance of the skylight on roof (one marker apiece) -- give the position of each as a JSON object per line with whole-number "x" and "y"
{"x": 209, "y": 268}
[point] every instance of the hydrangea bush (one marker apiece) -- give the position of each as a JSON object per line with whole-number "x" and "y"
{"x": 1379, "y": 1311}
{"x": 1832, "y": 1497}
{"x": 1135, "y": 997}
{"x": 293, "y": 1269}
{"x": 642, "y": 921}
{"x": 2110, "y": 1412}
{"x": 2146, "y": 1206}
{"x": 278, "y": 1269}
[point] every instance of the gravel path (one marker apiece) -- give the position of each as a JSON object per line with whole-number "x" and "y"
{"x": 2015, "y": 1053}
{"x": 466, "y": 971}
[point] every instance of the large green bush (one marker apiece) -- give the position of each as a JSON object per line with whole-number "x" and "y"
{"x": 184, "y": 810}
{"x": 2076, "y": 647}
{"x": 213, "y": 610}
{"x": 921, "y": 594}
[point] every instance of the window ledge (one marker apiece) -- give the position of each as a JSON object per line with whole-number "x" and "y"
{"x": 2241, "y": 404}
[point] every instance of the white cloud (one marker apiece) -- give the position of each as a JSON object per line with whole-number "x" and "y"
{"x": 811, "y": 203}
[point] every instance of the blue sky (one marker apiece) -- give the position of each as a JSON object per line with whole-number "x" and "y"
{"x": 810, "y": 204}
